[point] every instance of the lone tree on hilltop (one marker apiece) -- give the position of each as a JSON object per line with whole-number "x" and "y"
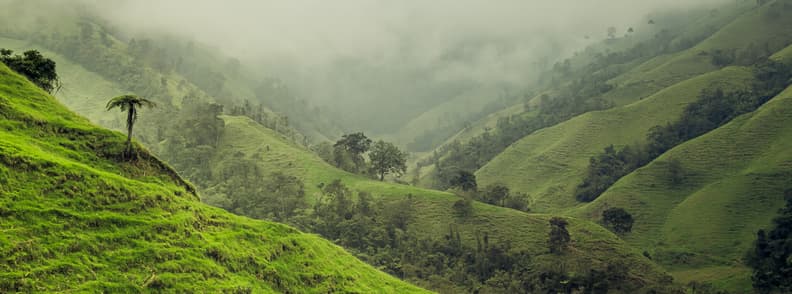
{"x": 386, "y": 158}
{"x": 130, "y": 104}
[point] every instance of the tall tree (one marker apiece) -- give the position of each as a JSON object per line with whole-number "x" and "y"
{"x": 352, "y": 146}
{"x": 559, "y": 236}
{"x": 130, "y": 104}
{"x": 465, "y": 180}
{"x": 386, "y": 158}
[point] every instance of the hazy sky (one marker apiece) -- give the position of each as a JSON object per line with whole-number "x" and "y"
{"x": 361, "y": 56}
{"x": 319, "y": 29}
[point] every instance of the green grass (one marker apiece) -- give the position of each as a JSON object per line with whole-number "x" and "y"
{"x": 551, "y": 162}
{"x": 735, "y": 181}
{"x": 76, "y": 218}
{"x": 432, "y": 210}
{"x": 84, "y": 90}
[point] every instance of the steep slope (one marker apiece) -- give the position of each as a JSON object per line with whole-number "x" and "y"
{"x": 549, "y": 163}
{"x": 432, "y": 210}
{"x": 735, "y": 178}
{"x": 76, "y": 217}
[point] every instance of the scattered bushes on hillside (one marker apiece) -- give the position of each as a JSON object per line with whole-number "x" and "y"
{"x": 772, "y": 254}
{"x": 581, "y": 90}
{"x": 713, "y": 109}
{"x": 617, "y": 220}
{"x": 37, "y": 68}
{"x": 500, "y": 195}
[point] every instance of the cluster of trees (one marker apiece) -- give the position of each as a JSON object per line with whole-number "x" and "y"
{"x": 712, "y": 109}
{"x": 582, "y": 96}
{"x": 349, "y": 153}
{"x": 772, "y": 253}
{"x": 748, "y": 55}
{"x": 379, "y": 232}
{"x": 31, "y": 64}
{"x": 276, "y": 122}
{"x": 496, "y": 194}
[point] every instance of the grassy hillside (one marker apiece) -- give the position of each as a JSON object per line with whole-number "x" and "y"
{"x": 75, "y": 217}
{"x": 735, "y": 178}
{"x": 432, "y": 210}
{"x": 550, "y": 163}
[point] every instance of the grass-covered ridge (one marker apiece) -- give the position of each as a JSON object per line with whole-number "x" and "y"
{"x": 735, "y": 178}
{"x": 74, "y": 217}
{"x": 432, "y": 211}
{"x": 549, "y": 163}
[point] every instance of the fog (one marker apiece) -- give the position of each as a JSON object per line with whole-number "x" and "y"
{"x": 358, "y": 57}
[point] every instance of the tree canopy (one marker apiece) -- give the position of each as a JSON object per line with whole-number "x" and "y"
{"x": 130, "y": 104}
{"x": 37, "y": 68}
{"x": 386, "y": 158}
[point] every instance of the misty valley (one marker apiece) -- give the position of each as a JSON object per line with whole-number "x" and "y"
{"x": 395, "y": 146}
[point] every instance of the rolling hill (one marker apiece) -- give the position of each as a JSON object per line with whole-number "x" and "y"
{"x": 735, "y": 178}
{"x": 561, "y": 153}
{"x": 735, "y": 175}
{"x": 77, "y": 217}
{"x": 433, "y": 210}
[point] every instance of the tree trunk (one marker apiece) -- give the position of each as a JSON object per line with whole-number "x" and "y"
{"x": 130, "y": 124}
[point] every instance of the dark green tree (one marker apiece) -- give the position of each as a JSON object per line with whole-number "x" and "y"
{"x": 617, "y": 220}
{"x": 559, "y": 236}
{"x": 496, "y": 194}
{"x": 352, "y": 147}
{"x": 130, "y": 104}
{"x": 357, "y": 143}
{"x": 37, "y": 68}
{"x": 386, "y": 158}
{"x": 771, "y": 258}
{"x": 464, "y": 180}
{"x": 463, "y": 207}
{"x": 676, "y": 172}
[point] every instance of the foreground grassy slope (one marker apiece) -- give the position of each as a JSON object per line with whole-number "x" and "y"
{"x": 735, "y": 178}
{"x": 550, "y": 163}
{"x": 432, "y": 210}
{"x": 82, "y": 90}
{"x": 74, "y": 217}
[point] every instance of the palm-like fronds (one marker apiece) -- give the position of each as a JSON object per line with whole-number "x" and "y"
{"x": 130, "y": 104}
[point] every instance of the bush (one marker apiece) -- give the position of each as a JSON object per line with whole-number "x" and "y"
{"x": 617, "y": 220}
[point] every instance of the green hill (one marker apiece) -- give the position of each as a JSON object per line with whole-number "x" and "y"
{"x": 549, "y": 163}
{"x": 75, "y": 217}
{"x": 735, "y": 178}
{"x": 432, "y": 212}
